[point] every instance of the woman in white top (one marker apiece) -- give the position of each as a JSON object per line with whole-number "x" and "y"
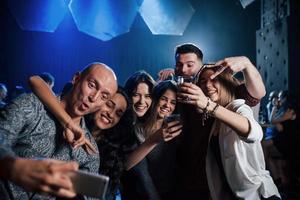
{"x": 235, "y": 163}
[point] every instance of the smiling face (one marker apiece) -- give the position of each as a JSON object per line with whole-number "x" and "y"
{"x": 166, "y": 104}
{"x": 110, "y": 113}
{"x": 91, "y": 89}
{"x": 221, "y": 89}
{"x": 141, "y": 99}
{"x": 211, "y": 88}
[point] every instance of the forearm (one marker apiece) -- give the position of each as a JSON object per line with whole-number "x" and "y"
{"x": 254, "y": 82}
{"x": 237, "y": 122}
{"x": 42, "y": 90}
{"x": 139, "y": 153}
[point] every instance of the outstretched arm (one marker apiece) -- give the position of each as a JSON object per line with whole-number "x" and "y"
{"x": 73, "y": 133}
{"x": 243, "y": 123}
{"x": 167, "y": 133}
{"x": 253, "y": 80}
{"x": 43, "y": 176}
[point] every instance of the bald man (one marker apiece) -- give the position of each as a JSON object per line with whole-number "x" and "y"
{"x": 31, "y": 142}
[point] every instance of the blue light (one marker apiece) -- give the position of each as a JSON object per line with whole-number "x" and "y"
{"x": 38, "y": 15}
{"x": 104, "y": 19}
{"x": 166, "y": 17}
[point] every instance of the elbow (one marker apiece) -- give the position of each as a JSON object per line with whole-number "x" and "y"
{"x": 255, "y": 132}
{"x": 262, "y": 92}
{"x": 32, "y": 80}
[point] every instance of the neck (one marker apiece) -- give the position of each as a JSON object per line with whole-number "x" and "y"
{"x": 159, "y": 123}
{"x": 65, "y": 106}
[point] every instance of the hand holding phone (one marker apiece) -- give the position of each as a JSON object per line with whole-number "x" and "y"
{"x": 172, "y": 117}
{"x": 88, "y": 184}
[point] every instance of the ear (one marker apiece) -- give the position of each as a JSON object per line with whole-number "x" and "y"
{"x": 76, "y": 77}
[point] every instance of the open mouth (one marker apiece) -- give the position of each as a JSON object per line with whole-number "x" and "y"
{"x": 105, "y": 119}
{"x": 83, "y": 107}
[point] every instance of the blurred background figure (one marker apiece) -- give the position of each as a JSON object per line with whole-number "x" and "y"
{"x": 17, "y": 91}
{"x": 3, "y": 94}
{"x": 48, "y": 78}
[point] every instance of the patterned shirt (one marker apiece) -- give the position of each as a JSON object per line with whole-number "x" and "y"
{"x": 28, "y": 130}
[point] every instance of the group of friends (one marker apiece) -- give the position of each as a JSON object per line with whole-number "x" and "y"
{"x": 210, "y": 150}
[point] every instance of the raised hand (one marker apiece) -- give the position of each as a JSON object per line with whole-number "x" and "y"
{"x": 165, "y": 73}
{"x": 232, "y": 64}
{"x": 76, "y": 137}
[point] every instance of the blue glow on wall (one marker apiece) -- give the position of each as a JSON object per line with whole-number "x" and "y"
{"x": 38, "y": 15}
{"x": 104, "y": 19}
{"x": 166, "y": 17}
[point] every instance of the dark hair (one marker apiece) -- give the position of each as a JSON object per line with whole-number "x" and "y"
{"x": 188, "y": 48}
{"x": 290, "y": 100}
{"x": 47, "y": 77}
{"x": 116, "y": 143}
{"x": 135, "y": 79}
{"x": 157, "y": 93}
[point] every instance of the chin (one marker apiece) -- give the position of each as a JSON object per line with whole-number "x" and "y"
{"x": 139, "y": 114}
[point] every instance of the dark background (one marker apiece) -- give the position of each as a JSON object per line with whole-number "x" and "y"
{"x": 219, "y": 28}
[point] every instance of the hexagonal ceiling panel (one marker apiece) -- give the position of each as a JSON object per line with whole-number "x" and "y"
{"x": 166, "y": 17}
{"x": 104, "y": 19}
{"x": 38, "y": 15}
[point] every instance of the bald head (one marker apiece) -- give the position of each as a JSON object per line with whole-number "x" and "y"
{"x": 92, "y": 87}
{"x": 100, "y": 66}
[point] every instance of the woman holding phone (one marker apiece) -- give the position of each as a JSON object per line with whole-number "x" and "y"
{"x": 154, "y": 173}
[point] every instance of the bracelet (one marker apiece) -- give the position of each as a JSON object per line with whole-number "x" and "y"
{"x": 212, "y": 113}
{"x": 205, "y": 109}
{"x": 205, "y": 112}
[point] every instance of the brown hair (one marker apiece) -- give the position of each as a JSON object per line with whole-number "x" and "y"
{"x": 228, "y": 85}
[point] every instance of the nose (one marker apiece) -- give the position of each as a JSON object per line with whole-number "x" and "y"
{"x": 110, "y": 114}
{"x": 142, "y": 100}
{"x": 167, "y": 104}
{"x": 184, "y": 70}
{"x": 94, "y": 96}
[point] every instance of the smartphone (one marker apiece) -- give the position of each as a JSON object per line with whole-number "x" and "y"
{"x": 172, "y": 117}
{"x": 88, "y": 184}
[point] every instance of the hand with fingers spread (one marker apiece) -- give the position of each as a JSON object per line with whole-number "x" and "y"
{"x": 231, "y": 64}
{"x": 42, "y": 176}
{"x": 76, "y": 137}
{"x": 253, "y": 80}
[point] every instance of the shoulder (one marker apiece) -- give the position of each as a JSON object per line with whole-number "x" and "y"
{"x": 239, "y": 106}
{"x": 235, "y": 104}
{"x": 26, "y": 99}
